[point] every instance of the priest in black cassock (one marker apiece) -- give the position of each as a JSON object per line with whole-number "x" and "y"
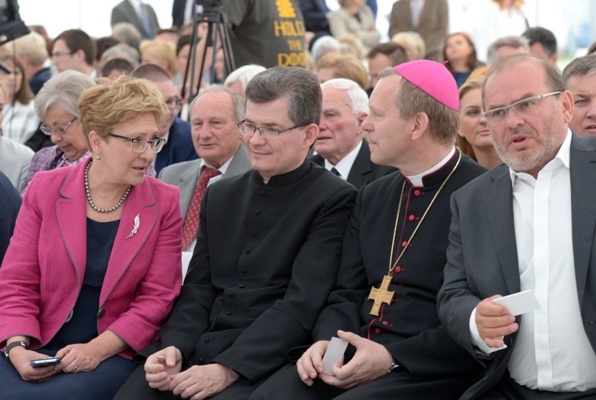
{"x": 267, "y": 254}
{"x": 393, "y": 255}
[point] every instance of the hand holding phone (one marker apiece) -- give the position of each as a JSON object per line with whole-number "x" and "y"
{"x": 44, "y": 362}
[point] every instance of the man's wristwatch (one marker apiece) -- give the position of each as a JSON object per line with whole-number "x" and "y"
{"x": 12, "y": 345}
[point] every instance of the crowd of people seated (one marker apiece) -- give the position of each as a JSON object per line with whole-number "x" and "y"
{"x": 308, "y": 213}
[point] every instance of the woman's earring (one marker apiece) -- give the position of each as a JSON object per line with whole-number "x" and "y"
{"x": 98, "y": 156}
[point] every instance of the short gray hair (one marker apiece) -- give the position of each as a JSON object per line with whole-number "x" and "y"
{"x": 63, "y": 90}
{"x": 512, "y": 41}
{"x": 237, "y": 101}
{"x": 122, "y": 50}
{"x": 243, "y": 75}
{"x": 356, "y": 95}
{"x": 583, "y": 66}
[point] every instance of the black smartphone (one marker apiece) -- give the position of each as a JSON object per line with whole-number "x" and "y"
{"x": 46, "y": 362}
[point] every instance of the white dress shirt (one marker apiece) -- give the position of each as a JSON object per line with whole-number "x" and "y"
{"x": 416, "y": 8}
{"x": 345, "y": 164}
{"x": 552, "y": 352}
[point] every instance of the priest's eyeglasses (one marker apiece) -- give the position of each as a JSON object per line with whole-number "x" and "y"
{"x": 60, "y": 129}
{"x": 138, "y": 145}
{"x": 249, "y": 129}
{"x": 521, "y": 108}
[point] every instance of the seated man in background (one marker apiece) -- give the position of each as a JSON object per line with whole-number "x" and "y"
{"x": 506, "y": 46}
{"x": 214, "y": 116}
{"x": 340, "y": 144}
{"x": 74, "y": 49}
{"x": 543, "y": 44}
{"x": 384, "y": 55}
{"x": 393, "y": 255}
{"x": 579, "y": 77}
{"x": 266, "y": 256}
{"x": 175, "y": 131}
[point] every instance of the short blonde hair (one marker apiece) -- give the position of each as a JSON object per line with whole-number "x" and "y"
{"x": 345, "y": 66}
{"x": 412, "y": 42}
{"x": 103, "y": 106}
{"x": 32, "y": 46}
{"x": 163, "y": 51}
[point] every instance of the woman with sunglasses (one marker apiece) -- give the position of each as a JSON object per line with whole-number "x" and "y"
{"x": 94, "y": 265}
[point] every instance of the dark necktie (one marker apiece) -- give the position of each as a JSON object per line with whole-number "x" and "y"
{"x": 335, "y": 172}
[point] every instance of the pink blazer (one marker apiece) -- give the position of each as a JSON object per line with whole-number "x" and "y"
{"x": 43, "y": 270}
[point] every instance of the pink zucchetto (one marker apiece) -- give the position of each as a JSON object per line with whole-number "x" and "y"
{"x": 432, "y": 78}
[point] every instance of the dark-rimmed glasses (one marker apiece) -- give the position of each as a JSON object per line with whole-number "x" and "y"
{"x": 61, "y": 129}
{"x": 139, "y": 145}
{"x": 249, "y": 129}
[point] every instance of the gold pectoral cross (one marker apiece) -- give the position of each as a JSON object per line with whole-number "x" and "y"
{"x": 381, "y": 295}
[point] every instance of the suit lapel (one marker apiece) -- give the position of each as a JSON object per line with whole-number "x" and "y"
{"x": 71, "y": 216}
{"x": 133, "y": 16}
{"x": 499, "y": 212}
{"x": 361, "y": 168}
{"x": 240, "y": 162}
{"x": 141, "y": 203}
{"x": 583, "y": 212}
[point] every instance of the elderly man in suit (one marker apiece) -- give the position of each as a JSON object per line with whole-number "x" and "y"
{"x": 528, "y": 225}
{"x": 340, "y": 144}
{"x": 214, "y": 116}
{"x": 138, "y": 13}
{"x": 430, "y": 18}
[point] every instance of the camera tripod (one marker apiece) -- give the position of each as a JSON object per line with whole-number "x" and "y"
{"x": 218, "y": 34}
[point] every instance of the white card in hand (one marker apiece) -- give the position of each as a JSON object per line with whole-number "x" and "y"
{"x": 519, "y": 303}
{"x": 335, "y": 352}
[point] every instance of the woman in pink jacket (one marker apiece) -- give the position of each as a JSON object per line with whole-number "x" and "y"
{"x": 93, "y": 267}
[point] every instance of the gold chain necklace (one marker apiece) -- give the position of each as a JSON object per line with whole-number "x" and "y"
{"x": 382, "y": 295}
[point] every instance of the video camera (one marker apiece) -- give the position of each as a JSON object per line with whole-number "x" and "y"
{"x": 11, "y": 25}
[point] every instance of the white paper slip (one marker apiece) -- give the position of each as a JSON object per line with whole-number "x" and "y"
{"x": 334, "y": 353}
{"x": 519, "y": 303}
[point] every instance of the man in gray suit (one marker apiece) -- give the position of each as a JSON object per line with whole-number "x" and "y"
{"x": 528, "y": 225}
{"x": 138, "y": 13}
{"x": 214, "y": 116}
{"x": 340, "y": 144}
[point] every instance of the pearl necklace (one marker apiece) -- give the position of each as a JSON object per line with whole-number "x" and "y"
{"x": 90, "y": 201}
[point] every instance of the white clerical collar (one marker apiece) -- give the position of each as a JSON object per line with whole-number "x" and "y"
{"x": 562, "y": 158}
{"x": 345, "y": 164}
{"x": 416, "y": 180}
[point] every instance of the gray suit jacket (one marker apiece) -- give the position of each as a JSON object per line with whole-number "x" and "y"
{"x": 482, "y": 255}
{"x": 432, "y": 26}
{"x": 125, "y": 12}
{"x": 185, "y": 175}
